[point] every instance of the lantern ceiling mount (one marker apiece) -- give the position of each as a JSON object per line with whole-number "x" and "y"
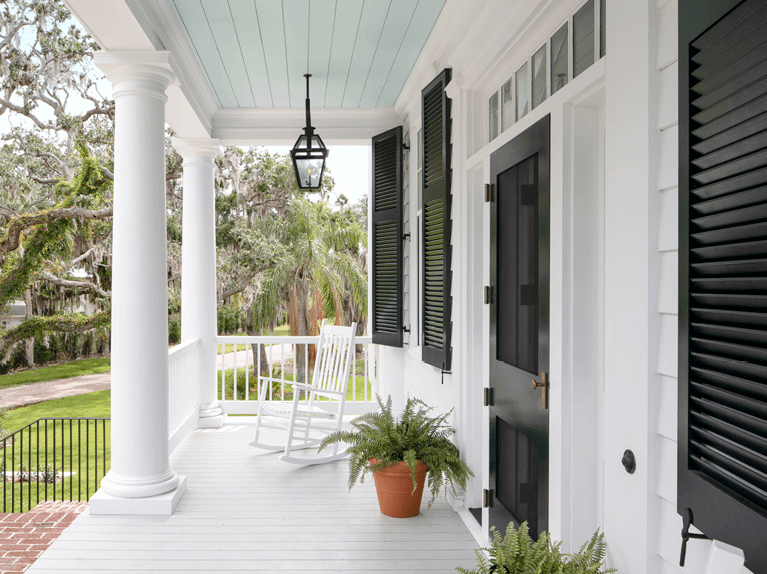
{"x": 309, "y": 153}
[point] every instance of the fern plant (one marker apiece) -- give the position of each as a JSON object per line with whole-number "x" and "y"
{"x": 415, "y": 436}
{"x": 516, "y": 553}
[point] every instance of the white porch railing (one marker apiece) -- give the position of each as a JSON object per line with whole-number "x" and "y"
{"x": 276, "y": 361}
{"x": 183, "y": 381}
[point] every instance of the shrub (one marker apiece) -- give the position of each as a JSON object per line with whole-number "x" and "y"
{"x": 87, "y": 344}
{"x": 517, "y": 553}
{"x": 174, "y": 329}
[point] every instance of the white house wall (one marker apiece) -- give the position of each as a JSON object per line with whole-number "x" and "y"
{"x": 613, "y": 267}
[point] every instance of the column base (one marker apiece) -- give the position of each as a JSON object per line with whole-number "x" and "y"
{"x": 211, "y": 416}
{"x": 104, "y": 504}
{"x": 211, "y": 422}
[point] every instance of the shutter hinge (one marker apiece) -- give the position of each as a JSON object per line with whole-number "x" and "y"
{"x": 487, "y": 498}
{"x": 488, "y": 192}
{"x": 443, "y": 372}
{"x": 406, "y": 328}
{"x": 406, "y": 236}
{"x": 488, "y": 396}
{"x": 406, "y": 146}
{"x": 488, "y": 295}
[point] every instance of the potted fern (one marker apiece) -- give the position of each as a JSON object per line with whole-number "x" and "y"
{"x": 516, "y": 552}
{"x": 399, "y": 452}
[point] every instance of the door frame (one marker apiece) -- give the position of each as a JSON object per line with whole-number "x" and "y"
{"x": 576, "y": 396}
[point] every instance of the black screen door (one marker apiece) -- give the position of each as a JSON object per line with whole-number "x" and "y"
{"x": 519, "y": 331}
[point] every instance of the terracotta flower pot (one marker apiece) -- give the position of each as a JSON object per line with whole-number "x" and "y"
{"x": 394, "y": 487}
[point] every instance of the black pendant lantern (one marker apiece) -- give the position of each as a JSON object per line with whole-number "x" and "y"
{"x": 309, "y": 153}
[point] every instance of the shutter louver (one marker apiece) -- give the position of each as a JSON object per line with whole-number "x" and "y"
{"x": 436, "y": 223}
{"x": 387, "y": 238}
{"x": 723, "y": 278}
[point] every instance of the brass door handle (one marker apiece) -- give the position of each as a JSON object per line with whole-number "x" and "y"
{"x": 544, "y": 384}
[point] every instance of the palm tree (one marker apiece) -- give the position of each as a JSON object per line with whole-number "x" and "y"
{"x": 319, "y": 271}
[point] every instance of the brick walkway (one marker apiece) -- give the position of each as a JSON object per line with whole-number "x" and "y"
{"x": 24, "y": 536}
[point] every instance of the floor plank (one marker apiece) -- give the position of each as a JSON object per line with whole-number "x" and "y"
{"x": 247, "y": 511}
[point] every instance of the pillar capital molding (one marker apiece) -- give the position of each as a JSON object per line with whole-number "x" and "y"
{"x": 198, "y": 149}
{"x": 146, "y": 73}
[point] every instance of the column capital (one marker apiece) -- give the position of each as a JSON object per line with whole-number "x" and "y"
{"x": 198, "y": 149}
{"x": 134, "y": 72}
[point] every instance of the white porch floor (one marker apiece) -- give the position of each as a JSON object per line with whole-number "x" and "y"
{"x": 245, "y": 511}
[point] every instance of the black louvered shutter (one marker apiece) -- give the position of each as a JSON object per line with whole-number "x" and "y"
{"x": 435, "y": 316}
{"x": 722, "y": 477}
{"x": 387, "y": 238}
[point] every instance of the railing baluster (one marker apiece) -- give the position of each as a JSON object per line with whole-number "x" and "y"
{"x": 104, "y": 445}
{"x": 13, "y": 475}
{"x": 96, "y": 456}
{"x": 271, "y": 366}
{"x": 21, "y": 471}
{"x": 37, "y": 494}
{"x": 282, "y": 371}
{"x": 259, "y": 382}
{"x": 29, "y": 470}
{"x": 247, "y": 380}
{"x": 71, "y": 460}
{"x": 5, "y": 475}
{"x": 63, "y": 458}
{"x": 79, "y": 461}
{"x": 234, "y": 375}
{"x": 87, "y": 459}
{"x": 46, "y": 458}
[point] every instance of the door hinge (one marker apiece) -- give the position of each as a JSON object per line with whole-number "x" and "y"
{"x": 488, "y": 192}
{"x": 487, "y": 498}
{"x": 488, "y": 397}
{"x": 488, "y": 295}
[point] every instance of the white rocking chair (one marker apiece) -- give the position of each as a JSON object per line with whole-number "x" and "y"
{"x": 324, "y": 400}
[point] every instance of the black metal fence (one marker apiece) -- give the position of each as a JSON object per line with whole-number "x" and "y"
{"x": 54, "y": 459}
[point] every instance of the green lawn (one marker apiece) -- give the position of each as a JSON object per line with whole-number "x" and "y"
{"x": 281, "y": 331}
{"x": 277, "y": 387}
{"x": 64, "y": 371}
{"x": 87, "y": 469}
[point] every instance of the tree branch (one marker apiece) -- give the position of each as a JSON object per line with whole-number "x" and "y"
{"x": 18, "y": 224}
{"x": 83, "y": 256}
{"x": 20, "y": 110}
{"x": 36, "y": 325}
{"x": 42, "y": 180}
{"x": 241, "y": 285}
{"x": 68, "y": 283}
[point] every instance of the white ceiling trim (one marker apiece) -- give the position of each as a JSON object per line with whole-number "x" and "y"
{"x": 282, "y": 126}
{"x": 161, "y": 16}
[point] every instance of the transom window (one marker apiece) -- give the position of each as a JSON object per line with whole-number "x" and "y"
{"x": 568, "y": 52}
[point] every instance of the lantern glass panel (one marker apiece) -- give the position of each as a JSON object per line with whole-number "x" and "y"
{"x": 309, "y": 164}
{"x": 309, "y": 172}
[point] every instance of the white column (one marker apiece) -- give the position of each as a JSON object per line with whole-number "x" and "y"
{"x": 198, "y": 256}
{"x": 141, "y": 480}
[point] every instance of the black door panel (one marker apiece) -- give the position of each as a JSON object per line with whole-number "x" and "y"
{"x": 519, "y": 330}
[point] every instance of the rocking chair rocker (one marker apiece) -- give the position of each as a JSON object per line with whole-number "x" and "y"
{"x": 324, "y": 400}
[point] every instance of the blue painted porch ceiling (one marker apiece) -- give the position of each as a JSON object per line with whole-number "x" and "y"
{"x": 359, "y": 52}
